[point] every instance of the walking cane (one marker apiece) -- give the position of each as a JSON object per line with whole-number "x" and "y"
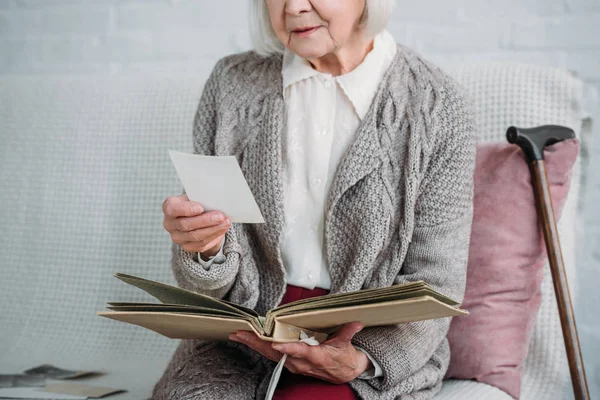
{"x": 532, "y": 142}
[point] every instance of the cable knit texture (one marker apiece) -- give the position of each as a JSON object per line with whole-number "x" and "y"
{"x": 399, "y": 210}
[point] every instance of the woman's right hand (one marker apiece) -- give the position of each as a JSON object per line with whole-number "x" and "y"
{"x": 192, "y": 228}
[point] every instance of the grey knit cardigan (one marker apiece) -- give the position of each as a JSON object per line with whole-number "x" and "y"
{"x": 399, "y": 210}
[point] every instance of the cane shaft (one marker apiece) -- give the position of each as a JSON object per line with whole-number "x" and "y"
{"x": 559, "y": 278}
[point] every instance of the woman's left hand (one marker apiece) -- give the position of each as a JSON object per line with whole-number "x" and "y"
{"x": 335, "y": 360}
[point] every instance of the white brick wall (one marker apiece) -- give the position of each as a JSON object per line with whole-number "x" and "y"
{"x": 108, "y": 36}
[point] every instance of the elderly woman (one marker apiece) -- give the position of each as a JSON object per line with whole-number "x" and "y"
{"x": 360, "y": 155}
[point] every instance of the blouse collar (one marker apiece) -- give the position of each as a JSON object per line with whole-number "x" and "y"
{"x": 360, "y": 84}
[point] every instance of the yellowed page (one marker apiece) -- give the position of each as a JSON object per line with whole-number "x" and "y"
{"x": 182, "y": 326}
{"x": 378, "y": 314}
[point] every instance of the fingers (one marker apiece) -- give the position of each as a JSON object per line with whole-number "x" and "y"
{"x": 332, "y": 363}
{"x": 181, "y": 206}
{"x": 296, "y": 350}
{"x": 345, "y": 334}
{"x": 298, "y": 366}
{"x": 187, "y": 224}
{"x": 191, "y": 227}
{"x": 312, "y": 356}
{"x": 200, "y": 240}
{"x": 209, "y": 249}
{"x": 313, "y": 365}
{"x": 255, "y": 343}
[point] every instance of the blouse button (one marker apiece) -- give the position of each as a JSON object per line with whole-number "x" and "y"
{"x": 317, "y": 181}
{"x": 328, "y": 84}
{"x": 309, "y": 277}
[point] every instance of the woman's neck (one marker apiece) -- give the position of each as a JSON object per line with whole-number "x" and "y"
{"x": 344, "y": 59}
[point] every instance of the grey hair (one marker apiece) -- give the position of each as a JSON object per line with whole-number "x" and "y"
{"x": 265, "y": 41}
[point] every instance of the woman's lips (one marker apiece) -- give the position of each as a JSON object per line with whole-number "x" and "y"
{"x": 304, "y": 32}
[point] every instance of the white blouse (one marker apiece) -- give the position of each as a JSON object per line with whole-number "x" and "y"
{"x": 322, "y": 116}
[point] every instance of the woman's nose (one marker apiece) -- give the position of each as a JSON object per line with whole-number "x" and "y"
{"x": 297, "y": 7}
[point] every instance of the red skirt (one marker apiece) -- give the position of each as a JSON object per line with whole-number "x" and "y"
{"x": 300, "y": 387}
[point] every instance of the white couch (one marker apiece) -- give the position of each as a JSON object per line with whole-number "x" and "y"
{"x": 84, "y": 169}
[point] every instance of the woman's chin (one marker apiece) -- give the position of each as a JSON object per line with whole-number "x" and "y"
{"x": 308, "y": 50}
{"x": 310, "y": 47}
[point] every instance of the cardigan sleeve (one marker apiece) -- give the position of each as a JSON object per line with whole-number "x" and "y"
{"x": 213, "y": 279}
{"x": 438, "y": 251}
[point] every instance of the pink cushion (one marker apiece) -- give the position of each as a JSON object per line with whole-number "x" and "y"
{"x": 505, "y": 269}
